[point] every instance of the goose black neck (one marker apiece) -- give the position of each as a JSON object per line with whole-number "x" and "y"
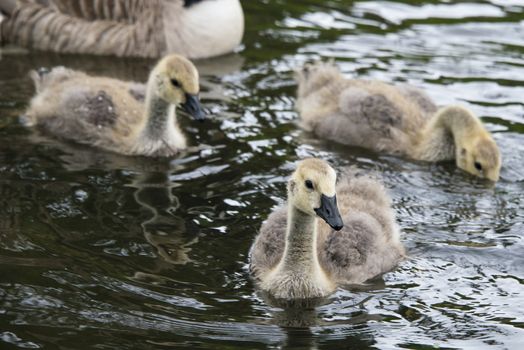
{"x": 189, "y": 3}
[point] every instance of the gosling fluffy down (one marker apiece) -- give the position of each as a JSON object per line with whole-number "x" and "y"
{"x": 118, "y": 116}
{"x": 394, "y": 119}
{"x": 298, "y": 256}
{"x": 139, "y": 28}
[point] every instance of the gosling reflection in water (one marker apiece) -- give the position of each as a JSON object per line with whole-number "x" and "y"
{"x": 295, "y": 324}
{"x": 165, "y": 231}
{"x": 306, "y": 328}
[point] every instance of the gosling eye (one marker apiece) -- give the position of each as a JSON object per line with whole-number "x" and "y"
{"x": 478, "y": 166}
{"x": 309, "y": 184}
{"x": 175, "y": 83}
{"x": 306, "y": 70}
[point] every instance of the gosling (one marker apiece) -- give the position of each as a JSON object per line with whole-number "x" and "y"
{"x": 297, "y": 256}
{"x": 117, "y": 116}
{"x": 399, "y": 120}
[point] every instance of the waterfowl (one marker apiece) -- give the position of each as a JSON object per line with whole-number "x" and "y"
{"x": 399, "y": 120}
{"x": 139, "y": 28}
{"x": 298, "y": 256}
{"x": 118, "y": 116}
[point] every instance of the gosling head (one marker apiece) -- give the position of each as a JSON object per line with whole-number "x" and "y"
{"x": 311, "y": 189}
{"x": 314, "y": 76}
{"x": 480, "y": 156}
{"x": 176, "y": 82}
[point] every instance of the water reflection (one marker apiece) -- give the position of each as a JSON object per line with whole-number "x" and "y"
{"x": 166, "y": 229}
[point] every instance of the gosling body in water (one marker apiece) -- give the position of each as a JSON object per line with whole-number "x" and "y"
{"x": 139, "y": 28}
{"x": 298, "y": 256}
{"x": 123, "y": 117}
{"x": 399, "y": 120}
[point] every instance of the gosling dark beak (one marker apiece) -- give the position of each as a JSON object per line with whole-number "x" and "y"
{"x": 329, "y": 212}
{"x": 193, "y": 107}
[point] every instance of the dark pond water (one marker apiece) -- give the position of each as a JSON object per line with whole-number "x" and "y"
{"x": 110, "y": 252}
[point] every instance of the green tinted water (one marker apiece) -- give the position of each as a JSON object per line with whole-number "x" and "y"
{"x": 110, "y": 252}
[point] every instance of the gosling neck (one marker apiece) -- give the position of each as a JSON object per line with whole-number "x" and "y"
{"x": 160, "y": 115}
{"x": 300, "y": 252}
{"x": 446, "y": 133}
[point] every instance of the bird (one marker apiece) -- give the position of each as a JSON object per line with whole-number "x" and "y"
{"x": 327, "y": 235}
{"x": 393, "y": 119}
{"x": 118, "y": 116}
{"x": 125, "y": 28}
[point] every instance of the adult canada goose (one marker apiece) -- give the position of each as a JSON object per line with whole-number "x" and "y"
{"x": 140, "y": 28}
{"x": 118, "y": 116}
{"x": 297, "y": 256}
{"x": 398, "y": 120}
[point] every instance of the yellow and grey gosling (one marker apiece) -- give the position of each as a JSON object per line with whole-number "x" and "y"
{"x": 118, "y": 116}
{"x": 139, "y": 28}
{"x": 297, "y": 256}
{"x": 399, "y": 120}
